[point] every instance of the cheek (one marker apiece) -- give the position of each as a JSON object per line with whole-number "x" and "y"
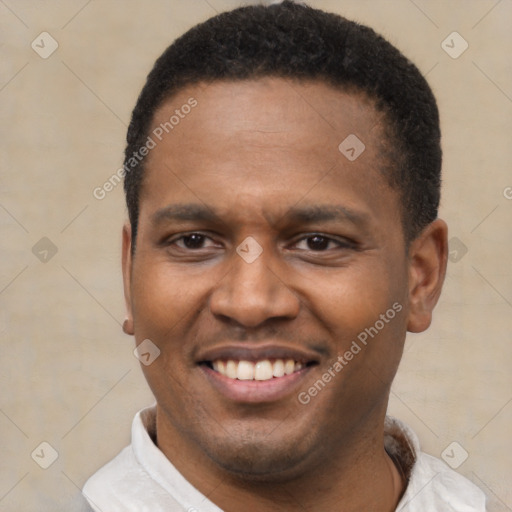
{"x": 353, "y": 298}
{"x": 163, "y": 297}
{"x": 364, "y": 313}
{"x": 165, "y": 304}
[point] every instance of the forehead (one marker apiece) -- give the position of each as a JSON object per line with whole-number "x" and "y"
{"x": 273, "y": 108}
{"x": 269, "y": 141}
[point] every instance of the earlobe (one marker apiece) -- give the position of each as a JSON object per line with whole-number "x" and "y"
{"x": 128, "y": 325}
{"x": 428, "y": 256}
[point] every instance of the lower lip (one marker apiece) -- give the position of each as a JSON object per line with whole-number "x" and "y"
{"x": 255, "y": 391}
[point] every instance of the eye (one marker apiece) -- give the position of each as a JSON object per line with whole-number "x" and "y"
{"x": 321, "y": 243}
{"x": 191, "y": 241}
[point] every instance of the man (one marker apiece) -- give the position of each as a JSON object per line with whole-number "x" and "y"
{"x": 282, "y": 183}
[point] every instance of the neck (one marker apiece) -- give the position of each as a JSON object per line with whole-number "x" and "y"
{"x": 356, "y": 476}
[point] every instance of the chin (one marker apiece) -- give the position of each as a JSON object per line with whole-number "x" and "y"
{"x": 257, "y": 458}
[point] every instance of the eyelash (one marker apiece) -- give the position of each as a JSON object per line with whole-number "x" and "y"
{"x": 342, "y": 244}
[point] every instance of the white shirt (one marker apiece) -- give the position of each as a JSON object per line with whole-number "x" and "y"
{"x": 142, "y": 479}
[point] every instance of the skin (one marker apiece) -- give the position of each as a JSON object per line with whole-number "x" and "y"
{"x": 253, "y": 151}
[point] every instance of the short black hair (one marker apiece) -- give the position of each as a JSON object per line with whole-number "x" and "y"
{"x": 295, "y": 41}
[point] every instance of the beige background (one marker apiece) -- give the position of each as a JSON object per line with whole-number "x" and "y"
{"x": 67, "y": 372}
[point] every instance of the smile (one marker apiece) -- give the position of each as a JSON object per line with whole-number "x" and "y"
{"x": 261, "y": 370}
{"x": 256, "y": 373}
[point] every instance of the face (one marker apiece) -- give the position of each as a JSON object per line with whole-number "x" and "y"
{"x": 264, "y": 256}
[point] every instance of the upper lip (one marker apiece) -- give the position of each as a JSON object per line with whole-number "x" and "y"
{"x": 259, "y": 352}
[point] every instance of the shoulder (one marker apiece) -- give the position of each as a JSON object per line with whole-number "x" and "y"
{"x": 434, "y": 486}
{"x": 124, "y": 485}
{"x": 111, "y": 473}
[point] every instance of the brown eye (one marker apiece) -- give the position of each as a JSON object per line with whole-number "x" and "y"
{"x": 192, "y": 241}
{"x": 318, "y": 243}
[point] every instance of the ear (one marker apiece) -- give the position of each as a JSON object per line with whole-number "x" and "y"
{"x": 127, "y": 277}
{"x": 428, "y": 256}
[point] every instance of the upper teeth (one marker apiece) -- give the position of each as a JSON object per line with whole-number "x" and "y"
{"x": 259, "y": 370}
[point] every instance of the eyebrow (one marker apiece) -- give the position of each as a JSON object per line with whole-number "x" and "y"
{"x": 192, "y": 212}
{"x": 185, "y": 212}
{"x": 325, "y": 213}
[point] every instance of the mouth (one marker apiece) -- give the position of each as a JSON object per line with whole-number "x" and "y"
{"x": 246, "y": 373}
{"x": 262, "y": 370}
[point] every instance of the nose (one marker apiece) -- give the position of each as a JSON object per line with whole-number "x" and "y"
{"x": 252, "y": 293}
